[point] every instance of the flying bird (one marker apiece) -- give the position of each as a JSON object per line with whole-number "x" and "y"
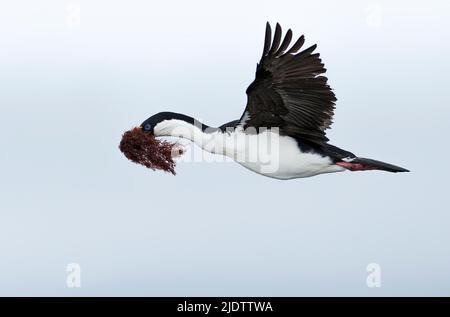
{"x": 289, "y": 107}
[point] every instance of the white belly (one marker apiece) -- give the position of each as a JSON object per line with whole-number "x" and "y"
{"x": 265, "y": 153}
{"x": 306, "y": 165}
{"x": 279, "y": 157}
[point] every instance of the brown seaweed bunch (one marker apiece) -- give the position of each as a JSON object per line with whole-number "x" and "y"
{"x": 143, "y": 148}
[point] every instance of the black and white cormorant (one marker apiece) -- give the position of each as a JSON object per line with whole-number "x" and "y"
{"x": 289, "y": 107}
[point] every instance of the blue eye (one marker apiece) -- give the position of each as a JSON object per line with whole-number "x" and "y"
{"x": 147, "y": 127}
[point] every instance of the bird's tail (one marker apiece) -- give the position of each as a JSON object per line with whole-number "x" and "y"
{"x": 364, "y": 164}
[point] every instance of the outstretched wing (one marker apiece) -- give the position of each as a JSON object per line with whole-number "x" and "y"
{"x": 288, "y": 91}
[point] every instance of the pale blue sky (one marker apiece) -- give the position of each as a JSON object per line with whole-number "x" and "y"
{"x": 69, "y": 89}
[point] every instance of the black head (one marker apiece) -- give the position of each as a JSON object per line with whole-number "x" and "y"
{"x": 149, "y": 124}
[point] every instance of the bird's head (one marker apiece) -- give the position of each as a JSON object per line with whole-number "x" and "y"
{"x": 141, "y": 146}
{"x": 171, "y": 124}
{"x": 149, "y": 125}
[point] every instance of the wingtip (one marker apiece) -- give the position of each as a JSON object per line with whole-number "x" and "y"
{"x": 278, "y": 28}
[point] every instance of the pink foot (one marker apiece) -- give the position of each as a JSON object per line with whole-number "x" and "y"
{"x": 355, "y": 166}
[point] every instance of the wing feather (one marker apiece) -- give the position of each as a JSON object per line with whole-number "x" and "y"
{"x": 268, "y": 40}
{"x": 289, "y": 91}
{"x": 298, "y": 45}
{"x": 276, "y": 40}
{"x": 285, "y": 44}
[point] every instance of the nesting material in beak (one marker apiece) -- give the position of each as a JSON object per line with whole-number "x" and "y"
{"x": 143, "y": 148}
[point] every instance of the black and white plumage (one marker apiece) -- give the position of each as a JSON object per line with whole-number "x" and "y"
{"x": 289, "y": 91}
{"x": 289, "y": 107}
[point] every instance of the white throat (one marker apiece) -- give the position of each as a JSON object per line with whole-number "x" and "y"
{"x": 210, "y": 140}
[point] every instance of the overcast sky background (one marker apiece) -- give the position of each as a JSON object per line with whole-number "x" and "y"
{"x": 71, "y": 84}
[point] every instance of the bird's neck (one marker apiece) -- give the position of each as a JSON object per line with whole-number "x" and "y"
{"x": 209, "y": 139}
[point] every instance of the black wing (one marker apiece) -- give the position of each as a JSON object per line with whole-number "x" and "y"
{"x": 288, "y": 91}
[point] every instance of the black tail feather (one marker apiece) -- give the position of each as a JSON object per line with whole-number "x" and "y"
{"x": 378, "y": 165}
